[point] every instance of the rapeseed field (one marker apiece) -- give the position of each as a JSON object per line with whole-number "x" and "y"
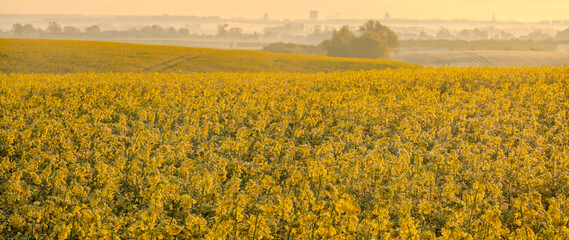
{"x": 445, "y": 153}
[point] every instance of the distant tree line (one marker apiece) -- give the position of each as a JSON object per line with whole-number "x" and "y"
{"x": 155, "y": 31}
{"x": 371, "y": 40}
{"x": 374, "y": 40}
{"x": 377, "y": 41}
{"x": 288, "y": 31}
{"x": 478, "y": 34}
{"x": 55, "y": 30}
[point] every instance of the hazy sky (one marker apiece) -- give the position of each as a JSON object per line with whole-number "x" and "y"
{"x": 521, "y": 10}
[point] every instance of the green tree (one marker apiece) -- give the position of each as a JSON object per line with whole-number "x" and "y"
{"x": 384, "y": 33}
{"x": 235, "y": 32}
{"x": 340, "y": 44}
{"x": 152, "y": 31}
{"x": 26, "y": 31}
{"x": 183, "y": 32}
{"x": 369, "y": 45}
{"x": 93, "y": 30}
{"x": 54, "y": 28}
{"x": 70, "y": 30}
{"x": 222, "y": 30}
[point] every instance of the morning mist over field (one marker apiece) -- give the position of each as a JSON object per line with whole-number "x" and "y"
{"x": 433, "y": 33}
{"x": 516, "y": 10}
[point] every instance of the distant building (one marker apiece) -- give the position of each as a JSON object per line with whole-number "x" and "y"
{"x": 313, "y": 15}
{"x": 387, "y": 17}
{"x": 266, "y": 17}
{"x": 493, "y": 17}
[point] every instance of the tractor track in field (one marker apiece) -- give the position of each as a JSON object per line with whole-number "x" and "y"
{"x": 170, "y": 63}
{"x": 443, "y": 62}
{"x": 480, "y": 59}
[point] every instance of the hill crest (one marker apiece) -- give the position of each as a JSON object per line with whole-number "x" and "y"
{"x": 74, "y": 56}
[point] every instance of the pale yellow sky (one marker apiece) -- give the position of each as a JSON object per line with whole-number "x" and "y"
{"x": 520, "y": 10}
